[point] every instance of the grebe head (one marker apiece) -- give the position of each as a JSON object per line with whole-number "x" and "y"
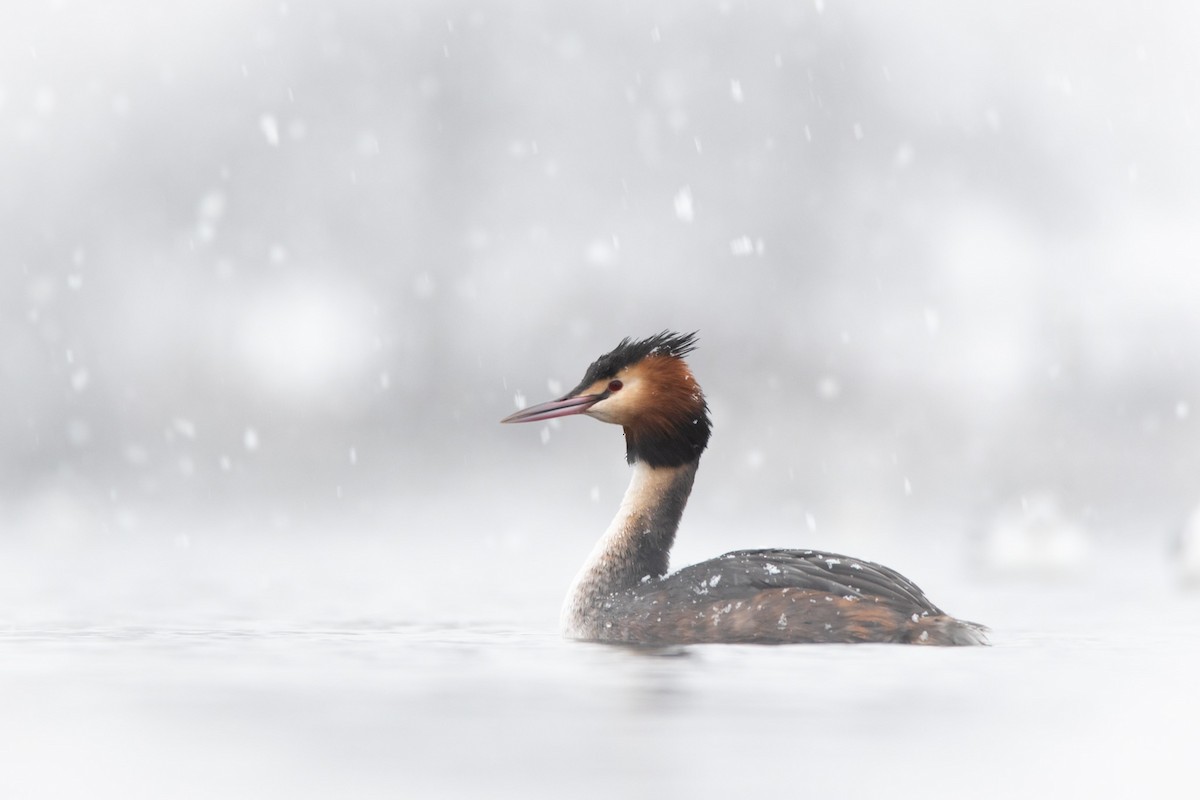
{"x": 646, "y": 387}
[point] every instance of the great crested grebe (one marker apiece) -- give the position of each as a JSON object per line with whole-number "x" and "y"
{"x": 624, "y": 594}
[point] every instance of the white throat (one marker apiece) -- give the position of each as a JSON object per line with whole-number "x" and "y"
{"x": 611, "y": 559}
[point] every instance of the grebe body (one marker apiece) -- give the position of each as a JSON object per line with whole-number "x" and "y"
{"x": 624, "y": 593}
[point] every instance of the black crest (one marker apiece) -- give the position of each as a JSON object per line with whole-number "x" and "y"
{"x": 629, "y": 352}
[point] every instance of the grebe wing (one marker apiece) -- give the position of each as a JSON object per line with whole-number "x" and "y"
{"x": 751, "y": 571}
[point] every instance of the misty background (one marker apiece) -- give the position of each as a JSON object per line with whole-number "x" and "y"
{"x": 273, "y": 271}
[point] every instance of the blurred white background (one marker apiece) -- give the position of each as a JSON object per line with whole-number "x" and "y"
{"x": 272, "y": 271}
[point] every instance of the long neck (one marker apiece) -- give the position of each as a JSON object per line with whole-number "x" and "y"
{"x": 638, "y": 541}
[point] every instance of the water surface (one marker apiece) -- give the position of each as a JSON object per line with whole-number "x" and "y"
{"x": 1090, "y": 700}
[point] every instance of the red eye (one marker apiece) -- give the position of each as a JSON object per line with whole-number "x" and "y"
{"x": 615, "y": 386}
